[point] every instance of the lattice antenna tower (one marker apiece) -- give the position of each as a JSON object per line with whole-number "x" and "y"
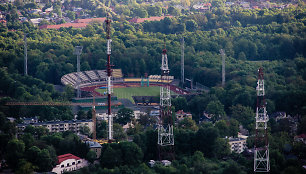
{"x": 78, "y": 52}
{"x": 165, "y": 125}
{"x": 223, "y": 66}
{"x": 25, "y": 54}
{"x": 261, "y": 148}
{"x": 182, "y": 61}
{"x": 109, "y": 78}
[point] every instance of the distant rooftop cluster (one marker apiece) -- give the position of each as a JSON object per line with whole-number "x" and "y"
{"x": 79, "y": 23}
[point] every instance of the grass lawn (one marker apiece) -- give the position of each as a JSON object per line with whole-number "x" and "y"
{"x": 134, "y": 91}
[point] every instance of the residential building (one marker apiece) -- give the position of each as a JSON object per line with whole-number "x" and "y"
{"x": 36, "y": 21}
{"x": 237, "y": 145}
{"x": 69, "y": 162}
{"x": 59, "y": 126}
{"x": 96, "y": 147}
{"x": 202, "y": 7}
{"x": 30, "y": 120}
{"x": 180, "y": 115}
{"x": 154, "y": 113}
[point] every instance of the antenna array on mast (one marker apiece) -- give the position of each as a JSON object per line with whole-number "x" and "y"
{"x": 165, "y": 125}
{"x": 261, "y": 148}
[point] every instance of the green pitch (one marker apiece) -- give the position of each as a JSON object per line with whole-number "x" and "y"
{"x": 134, "y": 91}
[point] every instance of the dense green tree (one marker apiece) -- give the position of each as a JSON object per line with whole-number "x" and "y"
{"x": 119, "y": 133}
{"x": 32, "y": 154}
{"x": 81, "y": 115}
{"x": 131, "y": 153}
{"x": 15, "y": 151}
{"x": 188, "y": 123}
{"x": 91, "y": 156}
{"x": 216, "y": 108}
{"x": 180, "y": 103}
{"x": 25, "y": 167}
{"x": 45, "y": 161}
{"x": 191, "y": 25}
{"x": 124, "y": 116}
{"x": 111, "y": 157}
{"x": 205, "y": 140}
{"x": 223, "y": 128}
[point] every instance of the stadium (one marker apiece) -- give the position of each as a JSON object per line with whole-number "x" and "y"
{"x": 95, "y": 82}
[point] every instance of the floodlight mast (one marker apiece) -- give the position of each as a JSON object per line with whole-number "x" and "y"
{"x": 78, "y": 52}
{"x": 182, "y": 62}
{"x": 25, "y": 54}
{"x": 223, "y": 66}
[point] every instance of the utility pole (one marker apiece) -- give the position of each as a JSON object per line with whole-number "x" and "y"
{"x": 78, "y": 52}
{"x": 223, "y": 66}
{"x": 165, "y": 125}
{"x": 182, "y": 61}
{"x": 25, "y": 54}
{"x": 109, "y": 80}
{"x": 261, "y": 148}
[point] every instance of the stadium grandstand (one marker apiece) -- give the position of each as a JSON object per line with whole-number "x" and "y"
{"x": 89, "y": 78}
{"x": 98, "y": 77}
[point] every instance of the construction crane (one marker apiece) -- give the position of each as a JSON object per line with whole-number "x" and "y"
{"x": 93, "y": 105}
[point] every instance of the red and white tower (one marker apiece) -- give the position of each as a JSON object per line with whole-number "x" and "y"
{"x": 165, "y": 125}
{"x": 109, "y": 80}
{"x": 261, "y": 148}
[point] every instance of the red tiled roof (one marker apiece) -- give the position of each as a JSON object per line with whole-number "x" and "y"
{"x": 64, "y": 157}
{"x": 153, "y": 18}
{"x": 65, "y": 25}
{"x": 302, "y": 136}
{"x": 90, "y": 20}
{"x": 180, "y": 112}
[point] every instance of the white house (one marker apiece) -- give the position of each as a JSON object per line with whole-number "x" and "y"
{"x": 69, "y": 162}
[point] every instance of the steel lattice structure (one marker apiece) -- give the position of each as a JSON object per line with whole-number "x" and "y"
{"x": 165, "y": 125}
{"x": 109, "y": 80}
{"x": 261, "y": 148}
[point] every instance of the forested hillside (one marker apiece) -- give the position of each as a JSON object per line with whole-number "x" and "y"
{"x": 270, "y": 38}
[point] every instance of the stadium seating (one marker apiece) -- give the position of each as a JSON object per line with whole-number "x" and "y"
{"x": 92, "y": 75}
{"x": 88, "y": 78}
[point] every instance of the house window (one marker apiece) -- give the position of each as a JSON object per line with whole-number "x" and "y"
{"x": 62, "y": 166}
{"x": 79, "y": 161}
{"x": 67, "y": 164}
{"x": 73, "y": 163}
